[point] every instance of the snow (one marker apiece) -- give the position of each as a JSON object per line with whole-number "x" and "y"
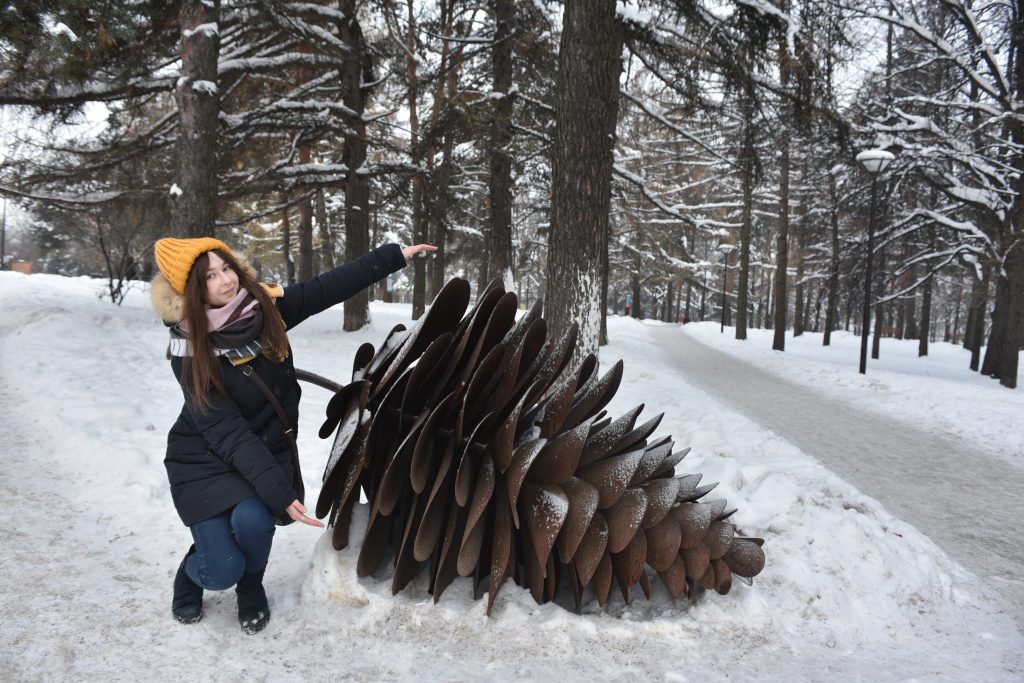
{"x": 175, "y": 191}
{"x": 849, "y": 591}
{"x": 938, "y": 392}
{"x": 62, "y": 29}
{"x": 208, "y": 30}
{"x": 205, "y": 87}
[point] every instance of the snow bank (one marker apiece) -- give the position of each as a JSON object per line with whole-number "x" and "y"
{"x": 93, "y": 542}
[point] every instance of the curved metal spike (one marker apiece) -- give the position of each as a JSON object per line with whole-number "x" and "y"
{"x": 602, "y": 578}
{"x": 583, "y": 498}
{"x": 674, "y": 578}
{"x": 557, "y": 460}
{"x": 630, "y": 440}
{"x": 515, "y": 475}
{"x": 687, "y": 485}
{"x": 719, "y": 538}
{"x": 545, "y": 509}
{"x": 591, "y": 548}
{"x": 596, "y": 398}
{"x": 396, "y": 474}
{"x": 556, "y": 409}
{"x": 352, "y": 397}
{"x": 624, "y": 519}
{"x": 723, "y": 577}
{"x": 745, "y": 558}
{"x": 628, "y": 565}
{"x": 429, "y": 529}
{"x": 362, "y": 358}
{"x": 611, "y": 476}
{"x": 668, "y": 466}
{"x": 654, "y": 456}
{"x": 661, "y": 496}
{"x": 446, "y": 567}
{"x": 663, "y": 541}
{"x": 466, "y": 473}
{"x": 428, "y": 365}
{"x": 502, "y": 550}
{"x": 602, "y": 443}
{"x": 698, "y": 493}
{"x": 694, "y": 520}
{"x": 422, "y": 463}
{"x": 472, "y": 540}
{"x": 341, "y": 463}
{"x": 696, "y": 560}
{"x": 442, "y": 316}
{"x": 504, "y": 437}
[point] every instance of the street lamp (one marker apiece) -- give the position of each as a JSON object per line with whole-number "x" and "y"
{"x": 874, "y": 162}
{"x": 726, "y": 249}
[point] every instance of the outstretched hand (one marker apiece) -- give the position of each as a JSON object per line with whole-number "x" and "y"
{"x": 297, "y": 511}
{"x": 409, "y": 252}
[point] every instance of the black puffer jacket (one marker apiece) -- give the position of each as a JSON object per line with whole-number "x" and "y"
{"x": 217, "y": 459}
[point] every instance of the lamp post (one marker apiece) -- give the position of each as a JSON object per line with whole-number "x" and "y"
{"x": 726, "y": 249}
{"x": 3, "y": 236}
{"x": 874, "y": 162}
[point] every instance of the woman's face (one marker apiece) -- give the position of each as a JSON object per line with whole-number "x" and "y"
{"x": 221, "y": 282}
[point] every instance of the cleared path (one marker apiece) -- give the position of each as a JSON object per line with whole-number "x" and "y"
{"x": 970, "y": 504}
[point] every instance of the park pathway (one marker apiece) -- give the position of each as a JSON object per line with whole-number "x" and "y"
{"x": 969, "y": 503}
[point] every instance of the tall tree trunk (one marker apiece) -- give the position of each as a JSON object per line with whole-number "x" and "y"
{"x": 880, "y": 309}
{"x": 586, "y": 105}
{"x": 782, "y": 245}
{"x": 799, "y": 313}
{"x": 926, "y": 318}
{"x": 602, "y": 336}
{"x": 305, "y": 227}
{"x": 439, "y": 223}
{"x": 419, "y": 222}
{"x": 286, "y": 244}
{"x": 194, "y": 203}
{"x": 833, "y": 273}
{"x": 436, "y": 200}
{"x": 976, "y": 316}
{"x": 499, "y": 236}
{"x": 326, "y": 235}
{"x": 746, "y": 216}
{"x": 357, "y": 184}
{"x": 782, "y": 249}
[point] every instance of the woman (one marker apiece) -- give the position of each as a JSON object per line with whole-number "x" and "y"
{"x": 231, "y": 460}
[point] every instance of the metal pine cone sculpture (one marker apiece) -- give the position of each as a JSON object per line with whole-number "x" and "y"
{"x": 489, "y": 457}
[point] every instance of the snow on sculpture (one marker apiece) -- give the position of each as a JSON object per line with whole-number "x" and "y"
{"x": 491, "y": 457}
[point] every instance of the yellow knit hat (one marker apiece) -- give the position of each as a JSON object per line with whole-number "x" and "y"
{"x": 175, "y": 257}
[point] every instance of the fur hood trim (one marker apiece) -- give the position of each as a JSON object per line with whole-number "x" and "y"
{"x": 170, "y": 305}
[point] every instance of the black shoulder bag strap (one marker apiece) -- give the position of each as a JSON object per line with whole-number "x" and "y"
{"x": 289, "y": 431}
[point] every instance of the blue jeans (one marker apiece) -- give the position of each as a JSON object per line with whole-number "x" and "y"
{"x": 235, "y": 541}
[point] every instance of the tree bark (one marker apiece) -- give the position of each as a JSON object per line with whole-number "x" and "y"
{"x": 833, "y": 274}
{"x": 286, "y": 245}
{"x": 357, "y": 185}
{"x": 194, "y": 203}
{"x": 326, "y": 235}
{"x": 419, "y": 222}
{"x": 499, "y": 237}
{"x": 586, "y": 105}
{"x": 746, "y": 219}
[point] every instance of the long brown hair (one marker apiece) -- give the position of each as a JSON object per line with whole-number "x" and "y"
{"x": 201, "y": 370}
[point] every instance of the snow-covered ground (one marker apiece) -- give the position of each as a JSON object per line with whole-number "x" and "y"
{"x": 936, "y": 393}
{"x": 92, "y": 542}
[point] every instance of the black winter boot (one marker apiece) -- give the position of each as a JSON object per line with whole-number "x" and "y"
{"x": 187, "y": 605}
{"x": 253, "y": 610}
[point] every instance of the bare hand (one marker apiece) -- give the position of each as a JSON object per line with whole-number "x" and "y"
{"x": 409, "y": 252}
{"x": 297, "y": 511}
